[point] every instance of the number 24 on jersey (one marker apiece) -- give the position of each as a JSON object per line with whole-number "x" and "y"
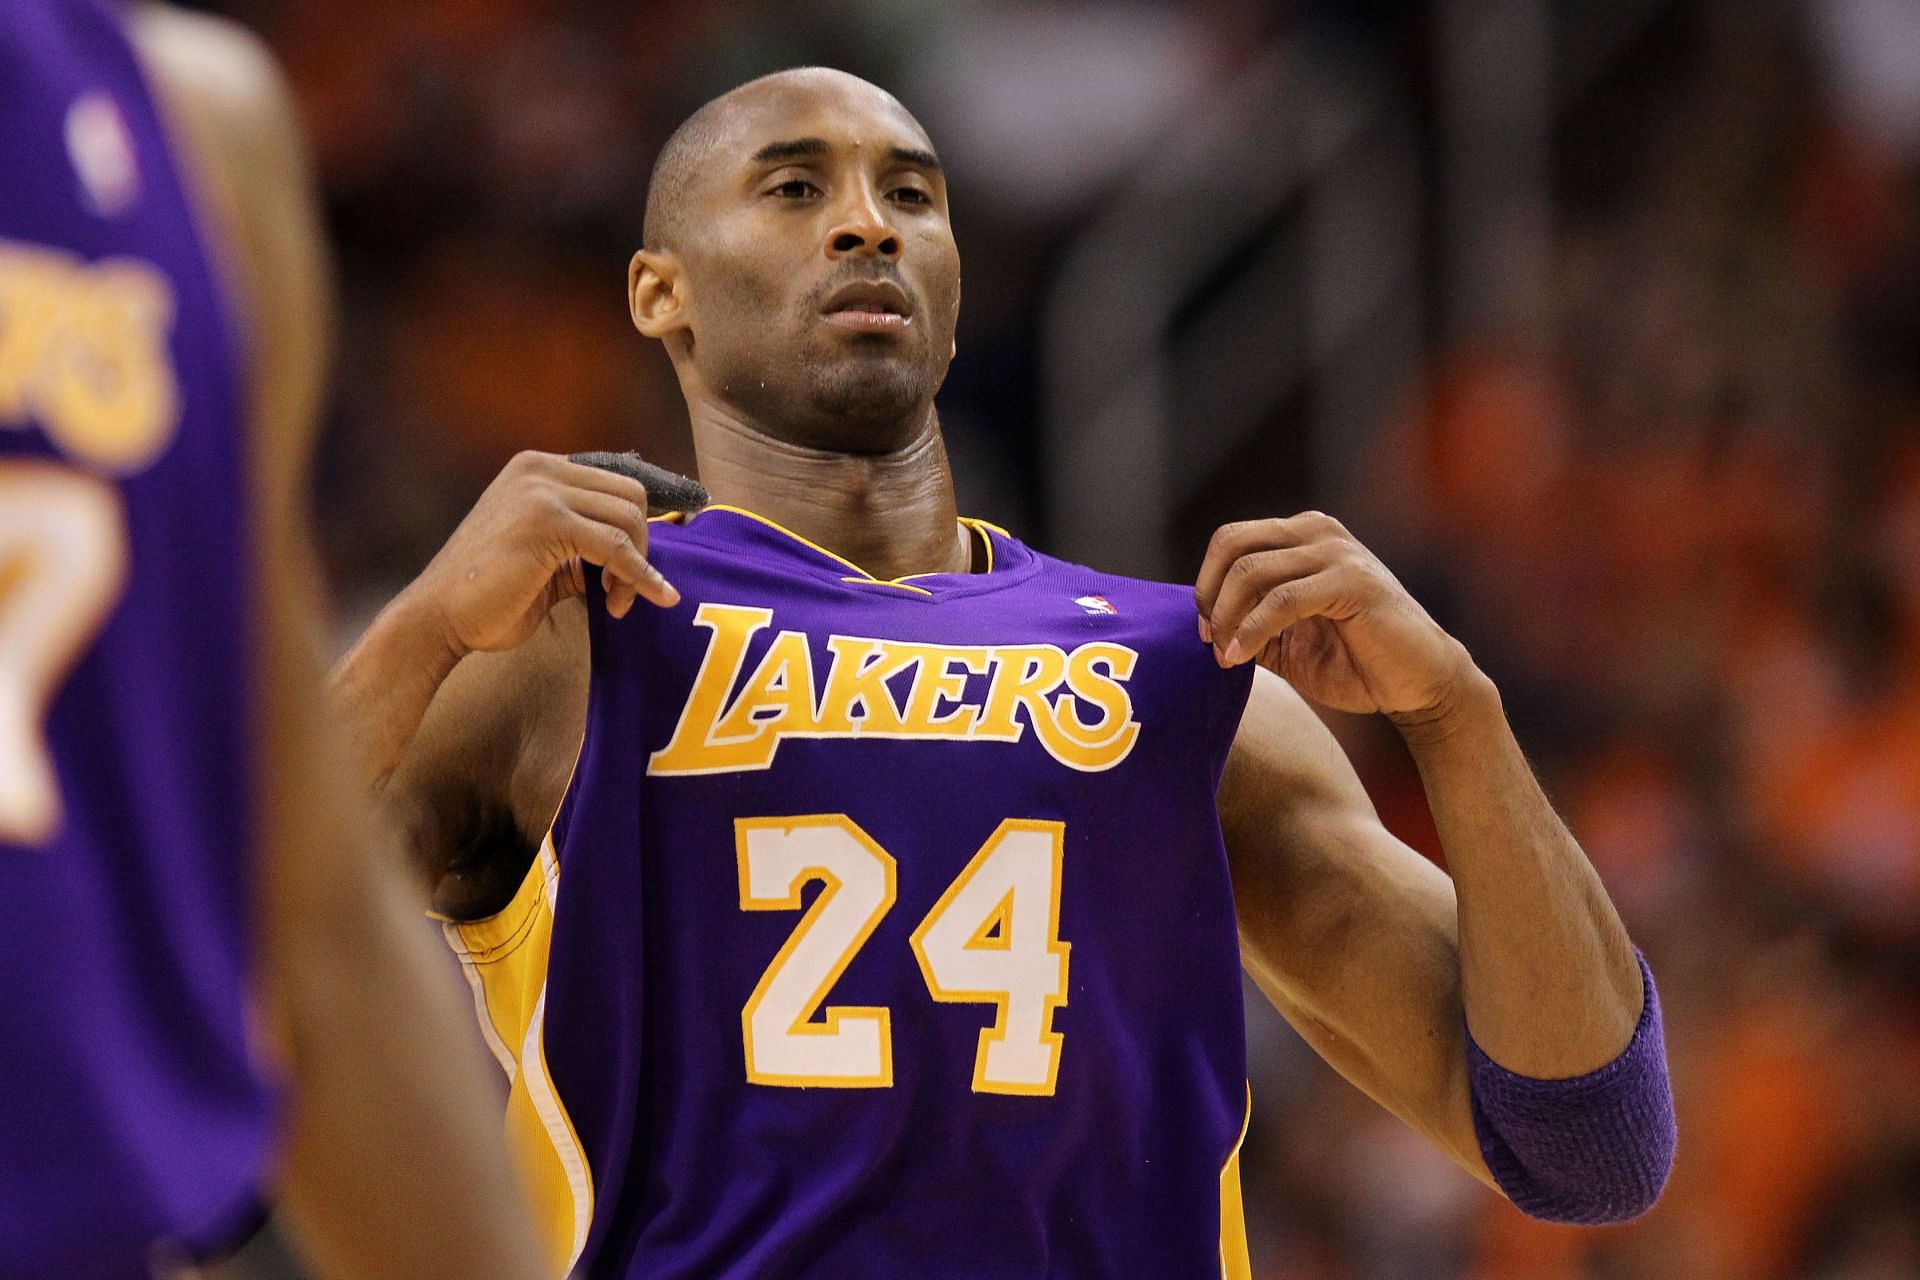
{"x": 992, "y": 938}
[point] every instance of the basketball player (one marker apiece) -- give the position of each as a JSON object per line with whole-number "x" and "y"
{"x": 205, "y": 971}
{"x": 851, "y": 889}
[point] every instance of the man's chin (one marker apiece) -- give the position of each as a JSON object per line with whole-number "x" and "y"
{"x": 869, "y": 409}
{"x": 872, "y": 383}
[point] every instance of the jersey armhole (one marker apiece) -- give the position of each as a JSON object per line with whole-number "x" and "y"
{"x": 495, "y": 937}
{"x": 562, "y": 820}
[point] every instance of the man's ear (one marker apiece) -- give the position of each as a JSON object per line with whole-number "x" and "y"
{"x": 656, "y": 294}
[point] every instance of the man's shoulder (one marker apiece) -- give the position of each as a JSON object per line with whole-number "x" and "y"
{"x": 1117, "y": 590}
{"x": 679, "y": 535}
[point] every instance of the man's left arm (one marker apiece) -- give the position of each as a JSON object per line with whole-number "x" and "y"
{"x": 1505, "y": 1013}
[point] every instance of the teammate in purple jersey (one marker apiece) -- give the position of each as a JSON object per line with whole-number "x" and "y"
{"x": 865, "y": 905}
{"x": 208, "y": 978}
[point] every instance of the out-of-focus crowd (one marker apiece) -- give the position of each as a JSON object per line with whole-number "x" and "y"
{"x": 1683, "y": 529}
{"x": 1679, "y": 520}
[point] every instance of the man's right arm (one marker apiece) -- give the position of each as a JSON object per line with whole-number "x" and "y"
{"x": 469, "y": 756}
{"x": 466, "y": 697}
{"x": 382, "y": 688}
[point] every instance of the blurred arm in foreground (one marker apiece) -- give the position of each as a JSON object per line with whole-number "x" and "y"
{"x": 391, "y": 1164}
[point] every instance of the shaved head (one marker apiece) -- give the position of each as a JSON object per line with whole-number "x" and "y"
{"x": 674, "y": 169}
{"x": 800, "y": 264}
{"x": 682, "y": 156}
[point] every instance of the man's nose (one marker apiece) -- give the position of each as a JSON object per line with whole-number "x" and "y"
{"x": 863, "y": 231}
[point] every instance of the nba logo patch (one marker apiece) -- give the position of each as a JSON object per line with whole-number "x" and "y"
{"x": 1096, "y": 604}
{"x": 101, "y": 148}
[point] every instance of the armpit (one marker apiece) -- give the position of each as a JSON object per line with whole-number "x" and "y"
{"x": 489, "y": 857}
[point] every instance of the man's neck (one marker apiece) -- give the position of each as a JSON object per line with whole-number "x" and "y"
{"x": 892, "y": 513}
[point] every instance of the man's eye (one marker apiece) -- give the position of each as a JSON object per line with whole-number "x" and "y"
{"x": 912, "y": 195}
{"x": 796, "y": 189}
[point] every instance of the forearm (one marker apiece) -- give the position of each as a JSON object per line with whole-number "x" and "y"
{"x": 1537, "y": 991}
{"x": 1548, "y": 976}
{"x": 1591, "y": 1148}
{"x": 1566, "y": 1065}
{"x": 381, "y": 689}
{"x": 1360, "y": 942}
{"x": 393, "y": 1165}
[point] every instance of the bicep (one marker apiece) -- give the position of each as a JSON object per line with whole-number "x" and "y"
{"x": 233, "y": 118}
{"x": 1351, "y": 934}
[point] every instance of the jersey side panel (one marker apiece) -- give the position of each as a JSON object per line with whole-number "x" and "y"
{"x": 505, "y": 959}
{"x": 1234, "y": 1262}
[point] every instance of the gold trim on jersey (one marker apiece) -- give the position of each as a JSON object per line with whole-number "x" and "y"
{"x": 1234, "y": 1262}
{"x": 859, "y": 577}
{"x": 505, "y": 959}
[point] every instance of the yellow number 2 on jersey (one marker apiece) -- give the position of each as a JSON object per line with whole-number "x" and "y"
{"x": 992, "y": 938}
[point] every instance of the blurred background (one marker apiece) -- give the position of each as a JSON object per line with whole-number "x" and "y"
{"x": 1598, "y": 319}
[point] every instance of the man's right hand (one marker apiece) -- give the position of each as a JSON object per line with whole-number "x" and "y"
{"x": 524, "y": 548}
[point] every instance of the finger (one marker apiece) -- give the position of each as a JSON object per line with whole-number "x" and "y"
{"x": 573, "y": 477}
{"x": 1230, "y": 542}
{"x": 620, "y": 596}
{"x": 666, "y": 490}
{"x": 570, "y": 581}
{"x": 567, "y": 582}
{"x": 1316, "y": 595}
{"x": 612, "y": 548}
{"x": 630, "y": 519}
{"x": 620, "y": 511}
{"x": 1250, "y": 578}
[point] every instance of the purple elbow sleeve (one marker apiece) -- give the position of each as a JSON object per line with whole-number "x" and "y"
{"x": 1591, "y": 1149}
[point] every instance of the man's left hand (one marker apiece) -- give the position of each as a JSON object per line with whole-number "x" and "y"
{"x": 1307, "y": 601}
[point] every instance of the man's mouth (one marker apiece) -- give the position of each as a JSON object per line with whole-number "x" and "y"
{"x": 869, "y": 306}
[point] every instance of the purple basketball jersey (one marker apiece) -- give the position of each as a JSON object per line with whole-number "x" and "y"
{"x": 131, "y": 1111}
{"x": 885, "y": 930}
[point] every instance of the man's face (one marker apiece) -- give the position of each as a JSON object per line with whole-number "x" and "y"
{"x": 821, "y": 279}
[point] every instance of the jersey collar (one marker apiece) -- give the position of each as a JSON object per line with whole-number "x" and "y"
{"x": 1008, "y": 559}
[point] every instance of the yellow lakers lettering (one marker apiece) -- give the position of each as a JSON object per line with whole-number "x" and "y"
{"x": 84, "y": 353}
{"x": 1075, "y": 703}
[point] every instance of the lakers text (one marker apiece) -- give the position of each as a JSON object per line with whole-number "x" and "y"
{"x": 1074, "y": 702}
